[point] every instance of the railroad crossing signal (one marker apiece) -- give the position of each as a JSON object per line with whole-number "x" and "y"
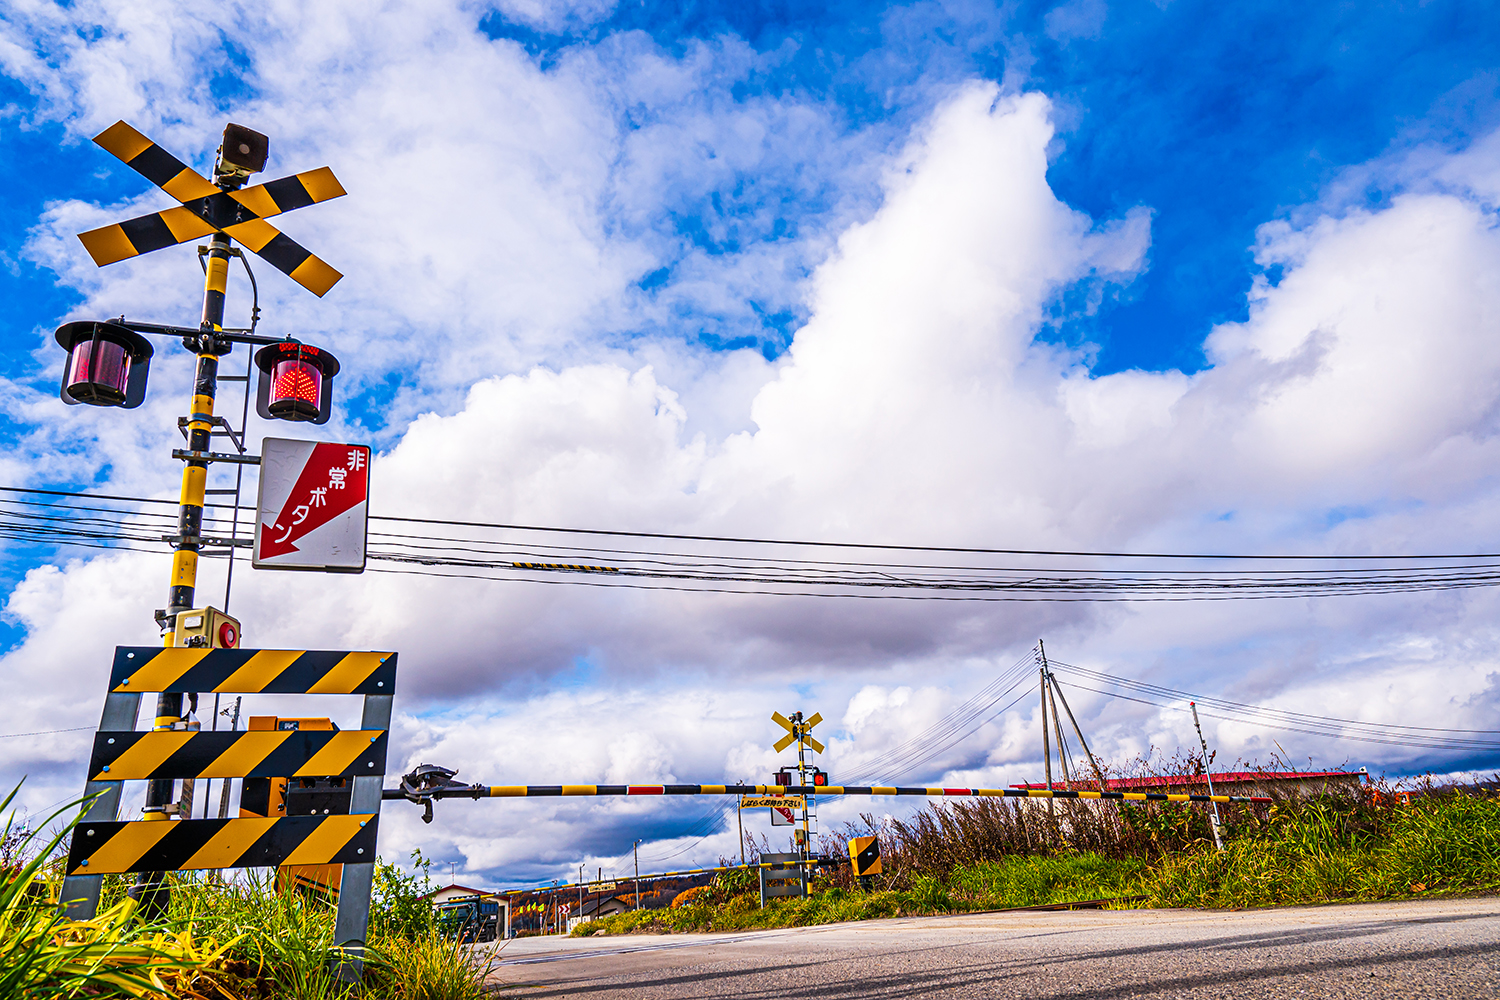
{"x": 797, "y": 731}
{"x": 208, "y": 208}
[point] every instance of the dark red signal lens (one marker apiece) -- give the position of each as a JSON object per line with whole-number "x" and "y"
{"x": 98, "y": 372}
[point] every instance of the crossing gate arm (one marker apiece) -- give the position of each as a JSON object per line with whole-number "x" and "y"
{"x": 429, "y": 783}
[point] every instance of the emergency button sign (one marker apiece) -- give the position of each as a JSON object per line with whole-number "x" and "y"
{"x": 313, "y": 507}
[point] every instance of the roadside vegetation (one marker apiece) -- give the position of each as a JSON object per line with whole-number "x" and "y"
{"x": 991, "y": 854}
{"x": 220, "y": 940}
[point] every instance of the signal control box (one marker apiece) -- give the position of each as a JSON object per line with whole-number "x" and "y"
{"x": 272, "y": 798}
{"x": 207, "y": 628}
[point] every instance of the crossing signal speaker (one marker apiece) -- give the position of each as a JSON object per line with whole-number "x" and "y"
{"x": 107, "y": 364}
{"x": 296, "y": 382}
{"x": 242, "y": 153}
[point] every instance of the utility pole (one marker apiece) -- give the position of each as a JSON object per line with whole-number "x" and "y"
{"x": 150, "y": 889}
{"x": 1208, "y": 773}
{"x": 637, "y": 850}
{"x": 234, "y": 724}
{"x": 1046, "y": 747}
{"x": 1062, "y": 757}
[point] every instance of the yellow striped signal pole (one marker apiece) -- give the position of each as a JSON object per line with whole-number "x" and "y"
{"x": 151, "y": 890}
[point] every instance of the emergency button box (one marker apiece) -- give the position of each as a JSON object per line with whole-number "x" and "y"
{"x": 208, "y": 628}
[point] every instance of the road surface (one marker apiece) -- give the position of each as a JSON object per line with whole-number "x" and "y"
{"x": 1448, "y": 949}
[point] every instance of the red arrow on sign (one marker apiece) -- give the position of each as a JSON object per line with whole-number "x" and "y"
{"x": 335, "y": 479}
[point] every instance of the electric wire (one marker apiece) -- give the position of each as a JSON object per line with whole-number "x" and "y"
{"x": 1282, "y": 720}
{"x": 81, "y": 519}
{"x": 931, "y": 742}
{"x": 45, "y": 732}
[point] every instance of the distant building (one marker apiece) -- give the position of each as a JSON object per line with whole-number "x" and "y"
{"x": 1276, "y": 784}
{"x": 448, "y": 892}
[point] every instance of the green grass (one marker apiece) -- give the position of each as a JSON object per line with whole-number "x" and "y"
{"x": 223, "y": 940}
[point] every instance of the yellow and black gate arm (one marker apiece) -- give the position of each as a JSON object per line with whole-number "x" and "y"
{"x": 430, "y": 782}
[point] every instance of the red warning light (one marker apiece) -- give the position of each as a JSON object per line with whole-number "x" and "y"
{"x": 106, "y": 366}
{"x": 229, "y": 636}
{"x": 296, "y": 382}
{"x": 295, "y": 389}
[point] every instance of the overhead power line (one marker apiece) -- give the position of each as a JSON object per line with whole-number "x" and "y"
{"x": 1280, "y": 720}
{"x": 735, "y": 565}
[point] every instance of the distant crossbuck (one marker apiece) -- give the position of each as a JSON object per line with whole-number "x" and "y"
{"x": 542, "y": 791}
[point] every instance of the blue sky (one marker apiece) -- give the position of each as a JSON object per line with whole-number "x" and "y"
{"x": 1082, "y": 275}
{"x": 1216, "y": 117}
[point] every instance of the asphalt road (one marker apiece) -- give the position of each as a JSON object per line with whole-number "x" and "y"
{"x": 1447, "y": 949}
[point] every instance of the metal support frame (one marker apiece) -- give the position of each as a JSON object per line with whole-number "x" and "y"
{"x": 782, "y": 868}
{"x": 809, "y": 802}
{"x": 79, "y": 898}
{"x": 352, "y": 922}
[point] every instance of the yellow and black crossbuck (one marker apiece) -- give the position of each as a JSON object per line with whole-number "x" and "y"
{"x": 134, "y": 756}
{"x": 206, "y": 208}
{"x": 191, "y": 844}
{"x": 252, "y": 671}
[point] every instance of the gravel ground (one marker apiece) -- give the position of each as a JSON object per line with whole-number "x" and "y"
{"x": 1448, "y": 949}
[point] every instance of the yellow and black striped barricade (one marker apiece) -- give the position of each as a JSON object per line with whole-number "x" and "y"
{"x": 102, "y": 845}
{"x": 133, "y": 756}
{"x": 252, "y": 671}
{"x": 195, "y": 844}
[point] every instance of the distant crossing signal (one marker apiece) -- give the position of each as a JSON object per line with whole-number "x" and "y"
{"x": 208, "y": 208}
{"x": 788, "y": 778}
{"x": 797, "y": 731}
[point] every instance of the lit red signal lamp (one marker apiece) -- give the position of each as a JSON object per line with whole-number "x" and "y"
{"x": 296, "y": 382}
{"x": 107, "y": 364}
